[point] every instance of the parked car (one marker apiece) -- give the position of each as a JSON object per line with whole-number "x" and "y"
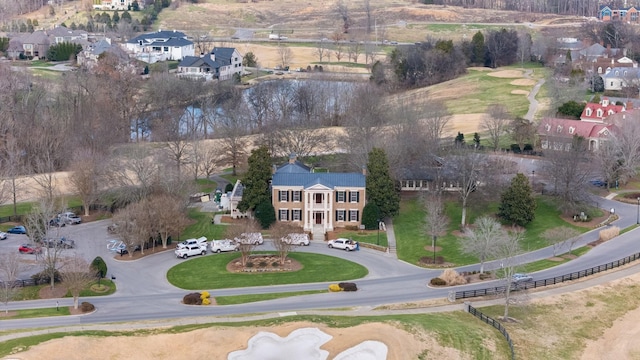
{"x": 218, "y": 246}
{"x": 57, "y": 222}
{"x": 343, "y": 244}
{"x": 250, "y": 238}
{"x": 521, "y": 278}
{"x": 70, "y": 218}
{"x": 17, "y": 230}
{"x": 600, "y": 183}
{"x": 29, "y": 249}
{"x": 122, "y": 249}
{"x": 199, "y": 241}
{"x": 66, "y": 243}
{"x": 3, "y": 235}
{"x": 297, "y": 239}
{"x": 191, "y": 250}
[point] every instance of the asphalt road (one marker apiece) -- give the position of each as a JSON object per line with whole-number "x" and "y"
{"x": 145, "y": 294}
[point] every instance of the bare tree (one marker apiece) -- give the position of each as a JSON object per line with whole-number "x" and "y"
{"x": 524, "y": 46}
{"x": 560, "y": 236}
{"x": 436, "y": 118}
{"x": 467, "y": 171}
{"x": 170, "y": 216}
{"x": 85, "y": 178}
{"x": 522, "y": 131}
{"x": 10, "y": 268}
{"x": 484, "y": 240}
{"x": 495, "y": 123}
{"x": 279, "y": 234}
{"x": 301, "y": 141}
{"x": 285, "y": 55}
{"x": 367, "y": 12}
{"x": 508, "y": 250}
{"x": 232, "y": 127}
{"x": 343, "y": 12}
{"x": 239, "y": 233}
{"x": 618, "y": 157}
{"x": 134, "y": 172}
{"x": 76, "y": 275}
{"x": 436, "y": 222}
{"x": 321, "y": 50}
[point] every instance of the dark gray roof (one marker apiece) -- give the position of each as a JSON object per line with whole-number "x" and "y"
{"x": 296, "y": 167}
{"x": 330, "y": 180}
{"x": 199, "y": 61}
{"x": 173, "y": 42}
{"x": 99, "y": 47}
{"x": 223, "y": 54}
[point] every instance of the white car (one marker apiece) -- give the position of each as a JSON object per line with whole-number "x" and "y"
{"x": 70, "y": 218}
{"x": 343, "y": 244}
{"x": 218, "y": 246}
{"x": 191, "y": 250}
{"x": 250, "y": 238}
{"x": 3, "y": 235}
{"x": 297, "y": 239}
{"x": 199, "y": 241}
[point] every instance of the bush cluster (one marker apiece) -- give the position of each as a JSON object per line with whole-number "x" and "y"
{"x": 429, "y": 260}
{"x": 348, "y": 286}
{"x": 335, "y": 288}
{"x": 192, "y": 299}
{"x": 437, "y": 282}
{"x": 451, "y": 277}
{"x": 610, "y": 233}
{"x": 43, "y": 277}
{"x": 87, "y": 307}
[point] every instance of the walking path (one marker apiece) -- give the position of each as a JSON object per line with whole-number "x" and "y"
{"x": 533, "y": 103}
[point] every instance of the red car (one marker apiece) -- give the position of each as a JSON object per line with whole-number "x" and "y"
{"x": 29, "y": 249}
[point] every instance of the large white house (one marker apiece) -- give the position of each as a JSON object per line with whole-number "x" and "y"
{"x": 113, "y": 4}
{"x": 222, "y": 63}
{"x": 160, "y": 46}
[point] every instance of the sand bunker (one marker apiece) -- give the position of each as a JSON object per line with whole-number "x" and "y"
{"x": 219, "y": 342}
{"x": 523, "y": 82}
{"x": 520, "y": 92}
{"x": 506, "y": 74}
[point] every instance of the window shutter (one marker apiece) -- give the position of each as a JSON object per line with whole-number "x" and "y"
{"x": 279, "y": 215}
{"x": 287, "y": 195}
{"x": 336, "y": 215}
{"x": 358, "y": 196}
{"x": 348, "y": 196}
{"x": 357, "y": 215}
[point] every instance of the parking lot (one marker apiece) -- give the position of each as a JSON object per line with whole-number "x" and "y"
{"x": 90, "y": 239}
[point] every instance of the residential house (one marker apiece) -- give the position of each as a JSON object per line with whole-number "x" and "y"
{"x": 113, "y": 4}
{"x": 626, "y": 14}
{"x": 89, "y": 56}
{"x": 160, "y": 46}
{"x": 222, "y": 63}
{"x": 16, "y": 48}
{"x": 598, "y": 112}
{"x": 601, "y": 66}
{"x": 559, "y": 134}
{"x": 619, "y": 78}
{"x": 61, "y": 34}
{"x": 317, "y": 200}
{"x": 35, "y": 44}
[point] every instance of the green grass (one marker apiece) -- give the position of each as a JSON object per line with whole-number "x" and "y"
{"x": 369, "y": 236}
{"x": 316, "y": 268}
{"x": 546, "y": 264}
{"x": 89, "y": 292}
{"x": 411, "y": 239}
{"x": 41, "y": 63}
{"x": 206, "y": 185}
{"x": 203, "y": 226}
{"x": 230, "y": 178}
{"x": 243, "y": 299}
{"x": 35, "y": 313}
{"x": 23, "y": 208}
{"x": 454, "y": 329}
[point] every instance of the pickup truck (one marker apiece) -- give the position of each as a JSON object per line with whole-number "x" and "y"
{"x": 343, "y": 244}
{"x": 191, "y": 250}
{"x": 199, "y": 241}
{"x": 70, "y": 218}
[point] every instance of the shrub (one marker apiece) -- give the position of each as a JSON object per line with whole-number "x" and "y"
{"x": 370, "y": 215}
{"x": 228, "y": 188}
{"x": 334, "y": 288}
{"x": 99, "y": 266}
{"x": 348, "y": 286}
{"x": 263, "y": 263}
{"x": 192, "y": 299}
{"x": 249, "y": 264}
{"x": 206, "y": 301}
{"x": 437, "y": 282}
{"x": 610, "y": 233}
{"x": 275, "y": 264}
{"x": 484, "y": 276}
{"x": 86, "y": 306}
{"x": 204, "y": 295}
{"x": 44, "y": 278}
{"x": 451, "y": 277}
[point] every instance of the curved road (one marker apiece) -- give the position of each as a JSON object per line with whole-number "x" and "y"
{"x": 145, "y": 294}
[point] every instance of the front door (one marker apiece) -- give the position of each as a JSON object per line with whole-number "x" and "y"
{"x": 318, "y": 198}
{"x": 318, "y": 217}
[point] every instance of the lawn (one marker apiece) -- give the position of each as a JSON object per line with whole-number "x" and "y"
{"x": 411, "y": 240}
{"x": 206, "y": 185}
{"x": 35, "y": 313}
{"x": 365, "y": 236}
{"x": 190, "y": 275}
{"x": 202, "y": 226}
{"x": 243, "y": 299}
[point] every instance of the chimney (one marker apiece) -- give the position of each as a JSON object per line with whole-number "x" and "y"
{"x": 292, "y": 158}
{"x": 364, "y": 170}
{"x": 629, "y": 105}
{"x": 274, "y": 168}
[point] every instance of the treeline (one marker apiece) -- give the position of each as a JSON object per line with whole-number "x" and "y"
{"x": 429, "y": 63}
{"x": 564, "y": 7}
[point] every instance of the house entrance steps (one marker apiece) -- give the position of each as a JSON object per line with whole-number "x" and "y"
{"x": 318, "y": 233}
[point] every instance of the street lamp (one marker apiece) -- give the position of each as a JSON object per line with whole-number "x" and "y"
{"x": 533, "y": 180}
{"x": 638, "y": 217}
{"x": 378, "y": 242}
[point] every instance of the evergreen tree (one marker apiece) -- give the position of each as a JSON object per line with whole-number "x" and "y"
{"x": 476, "y": 140}
{"x": 126, "y": 16}
{"x": 459, "y": 141}
{"x": 256, "y": 181}
{"x": 265, "y": 214}
{"x": 477, "y": 41}
{"x": 250, "y": 59}
{"x": 370, "y": 216}
{"x": 135, "y": 6}
{"x": 380, "y": 186}
{"x": 517, "y": 204}
{"x": 116, "y": 17}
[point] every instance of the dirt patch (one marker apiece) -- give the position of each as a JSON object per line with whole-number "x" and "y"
{"x": 523, "y": 82}
{"x": 519, "y": 92}
{"x": 57, "y": 292}
{"x": 507, "y": 74}
{"x": 401, "y": 344}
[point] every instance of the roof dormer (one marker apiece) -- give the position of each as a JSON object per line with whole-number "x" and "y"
{"x": 571, "y": 129}
{"x": 547, "y": 127}
{"x": 599, "y": 113}
{"x": 605, "y": 100}
{"x": 588, "y": 112}
{"x": 559, "y": 129}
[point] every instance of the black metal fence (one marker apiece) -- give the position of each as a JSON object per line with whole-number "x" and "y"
{"x": 491, "y": 321}
{"x": 25, "y": 283}
{"x": 498, "y": 290}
